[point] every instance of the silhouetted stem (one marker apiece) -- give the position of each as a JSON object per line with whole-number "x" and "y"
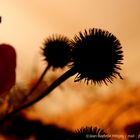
{"x": 36, "y": 84}
{"x": 39, "y": 80}
{"x": 56, "y": 83}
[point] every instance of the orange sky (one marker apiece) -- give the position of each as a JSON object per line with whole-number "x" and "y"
{"x": 26, "y": 23}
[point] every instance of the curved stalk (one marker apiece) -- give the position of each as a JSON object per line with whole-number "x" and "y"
{"x": 36, "y": 85}
{"x": 39, "y": 80}
{"x": 56, "y": 83}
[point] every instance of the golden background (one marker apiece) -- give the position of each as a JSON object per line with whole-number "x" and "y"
{"x": 25, "y": 24}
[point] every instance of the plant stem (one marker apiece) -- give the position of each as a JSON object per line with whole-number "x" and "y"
{"x": 25, "y": 98}
{"x": 56, "y": 83}
{"x": 39, "y": 80}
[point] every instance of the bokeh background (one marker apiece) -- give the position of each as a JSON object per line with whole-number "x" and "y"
{"x": 25, "y": 24}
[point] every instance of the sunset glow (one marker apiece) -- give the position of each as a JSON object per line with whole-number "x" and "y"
{"x": 26, "y": 23}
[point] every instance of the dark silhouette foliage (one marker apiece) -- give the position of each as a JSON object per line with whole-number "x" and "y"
{"x": 22, "y": 129}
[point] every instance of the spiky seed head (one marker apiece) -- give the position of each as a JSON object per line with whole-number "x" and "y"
{"x": 57, "y": 51}
{"x": 97, "y": 56}
{"x": 91, "y": 133}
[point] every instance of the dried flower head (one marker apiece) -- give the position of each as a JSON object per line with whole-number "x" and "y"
{"x": 57, "y": 51}
{"x": 97, "y": 56}
{"x": 91, "y": 133}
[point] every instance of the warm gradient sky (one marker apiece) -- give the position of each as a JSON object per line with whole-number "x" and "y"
{"x": 25, "y": 23}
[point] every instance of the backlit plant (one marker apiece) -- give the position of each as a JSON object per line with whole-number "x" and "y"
{"x": 56, "y": 51}
{"x": 90, "y": 133}
{"x": 94, "y": 56}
